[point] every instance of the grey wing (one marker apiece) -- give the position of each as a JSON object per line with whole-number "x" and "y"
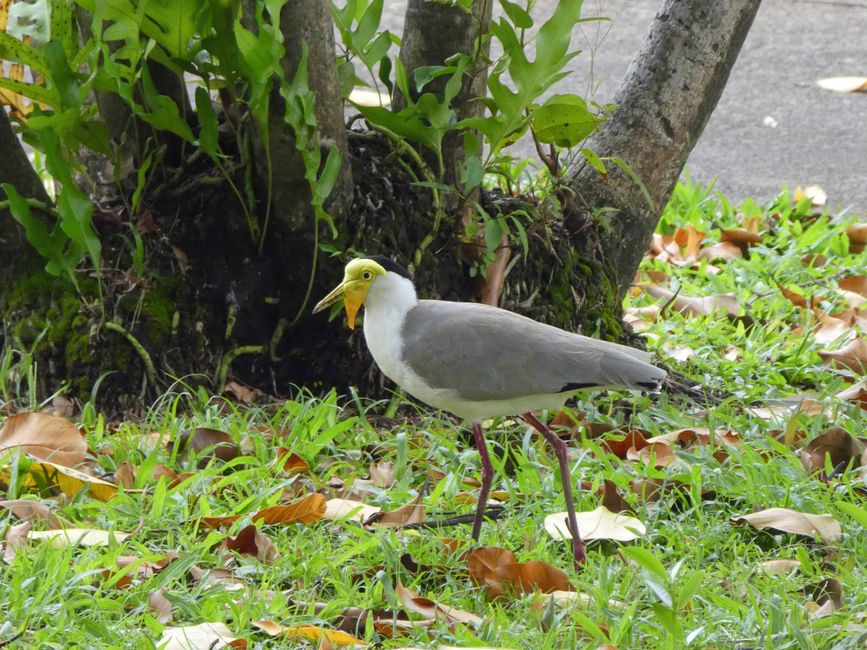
{"x": 485, "y": 353}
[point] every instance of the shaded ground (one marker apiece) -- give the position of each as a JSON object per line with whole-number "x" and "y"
{"x": 819, "y": 137}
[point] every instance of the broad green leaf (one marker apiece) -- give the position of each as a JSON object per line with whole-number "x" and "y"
{"x": 330, "y": 172}
{"x": 11, "y": 49}
{"x": 208, "y": 126}
{"x": 564, "y": 120}
{"x": 646, "y": 560}
{"x": 594, "y": 161}
{"x": 858, "y": 514}
{"x": 517, "y": 14}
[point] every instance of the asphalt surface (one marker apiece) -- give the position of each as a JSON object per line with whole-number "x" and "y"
{"x": 773, "y": 126}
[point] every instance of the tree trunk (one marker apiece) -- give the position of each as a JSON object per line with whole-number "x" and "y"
{"x": 664, "y": 102}
{"x": 306, "y": 22}
{"x": 16, "y": 170}
{"x": 432, "y": 33}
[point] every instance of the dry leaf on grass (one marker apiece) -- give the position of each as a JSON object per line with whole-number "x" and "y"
{"x": 431, "y": 610}
{"x": 857, "y": 234}
{"x": 852, "y": 356}
{"x": 45, "y": 437}
{"x": 79, "y": 537}
{"x": 836, "y": 443}
{"x": 726, "y": 304}
{"x": 612, "y": 499}
{"x": 596, "y": 524}
{"x": 125, "y": 475}
{"x": 160, "y": 606}
{"x": 620, "y": 444}
{"x": 217, "y": 576}
{"x": 337, "y": 509}
{"x": 855, "y": 393}
{"x": 310, "y": 633}
{"x": 411, "y": 513}
{"x": 140, "y": 569}
{"x": 210, "y": 442}
{"x": 69, "y": 481}
{"x": 210, "y": 636}
{"x": 16, "y": 540}
{"x": 498, "y": 570}
{"x": 569, "y": 598}
{"x": 29, "y": 510}
{"x": 290, "y": 462}
{"x": 659, "y": 453}
{"x": 382, "y": 474}
{"x": 242, "y": 393}
{"x": 792, "y": 521}
{"x": 305, "y": 511}
{"x": 818, "y": 197}
{"x": 775, "y": 567}
{"x": 826, "y": 597}
{"x": 252, "y": 541}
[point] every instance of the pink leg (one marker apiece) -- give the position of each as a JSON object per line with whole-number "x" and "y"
{"x": 578, "y": 554}
{"x": 487, "y": 478}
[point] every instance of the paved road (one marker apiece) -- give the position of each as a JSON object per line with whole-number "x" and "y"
{"x": 773, "y": 126}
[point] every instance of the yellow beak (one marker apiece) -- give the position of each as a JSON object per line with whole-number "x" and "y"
{"x": 352, "y": 301}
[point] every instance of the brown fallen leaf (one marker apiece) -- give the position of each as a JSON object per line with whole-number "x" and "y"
{"x": 29, "y": 510}
{"x": 659, "y": 453}
{"x": 857, "y": 234}
{"x": 855, "y": 284}
{"x": 382, "y": 474}
{"x": 826, "y": 597}
{"x": 855, "y": 393}
{"x": 125, "y": 475}
{"x": 45, "y": 437}
{"x": 174, "y": 478}
{"x": 319, "y": 635}
{"x": 838, "y": 444}
{"x": 852, "y": 356}
{"x": 723, "y": 251}
{"x": 600, "y": 523}
{"x": 140, "y": 569}
{"x": 217, "y": 444}
{"x": 792, "y": 521}
{"x": 620, "y": 444}
{"x": 252, "y": 541}
{"x": 242, "y": 393}
{"x": 689, "y": 240}
{"x": 431, "y": 610}
{"x": 725, "y": 304}
{"x": 160, "y": 605}
{"x": 290, "y": 462}
{"x": 612, "y": 499}
{"x": 210, "y": 636}
{"x": 17, "y": 537}
{"x": 217, "y": 576}
{"x": 411, "y": 513}
{"x": 498, "y": 570}
{"x": 305, "y": 511}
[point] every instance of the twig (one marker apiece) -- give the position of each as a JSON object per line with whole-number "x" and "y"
{"x": 150, "y": 370}
{"x": 229, "y": 357}
{"x": 492, "y": 513}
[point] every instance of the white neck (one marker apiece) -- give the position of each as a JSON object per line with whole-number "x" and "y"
{"x": 390, "y": 293}
{"x": 388, "y": 301}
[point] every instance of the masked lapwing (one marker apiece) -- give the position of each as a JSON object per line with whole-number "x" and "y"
{"x": 480, "y": 362}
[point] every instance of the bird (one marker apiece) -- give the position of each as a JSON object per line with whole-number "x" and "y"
{"x": 479, "y": 362}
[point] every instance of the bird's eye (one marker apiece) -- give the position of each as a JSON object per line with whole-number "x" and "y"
{"x": 367, "y": 275}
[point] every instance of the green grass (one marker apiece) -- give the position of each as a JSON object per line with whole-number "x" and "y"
{"x": 713, "y": 593}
